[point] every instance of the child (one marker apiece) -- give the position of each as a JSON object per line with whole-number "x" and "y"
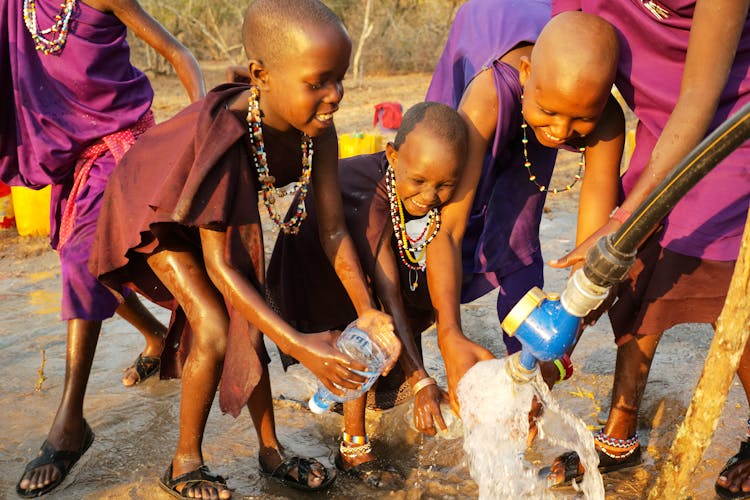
{"x": 392, "y": 205}
{"x": 682, "y": 272}
{"x": 189, "y": 228}
{"x": 72, "y": 105}
{"x": 508, "y": 80}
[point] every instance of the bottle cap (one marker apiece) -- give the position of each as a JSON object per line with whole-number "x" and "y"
{"x": 316, "y": 406}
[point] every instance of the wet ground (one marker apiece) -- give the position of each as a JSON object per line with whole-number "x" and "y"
{"x": 135, "y": 427}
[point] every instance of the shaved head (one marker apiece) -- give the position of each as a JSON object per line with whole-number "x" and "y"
{"x": 440, "y": 120}
{"x": 576, "y": 51}
{"x": 273, "y": 28}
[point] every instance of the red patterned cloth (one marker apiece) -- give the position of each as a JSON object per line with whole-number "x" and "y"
{"x": 118, "y": 143}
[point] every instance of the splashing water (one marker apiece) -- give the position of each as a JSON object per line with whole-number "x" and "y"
{"x": 494, "y": 410}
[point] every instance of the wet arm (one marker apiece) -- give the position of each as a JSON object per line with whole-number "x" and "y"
{"x": 388, "y": 288}
{"x": 600, "y": 184}
{"x": 339, "y": 246}
{"x": 599, "y": 189}
{"x": 444, "y": 272}
{"x": 316, "y": 352}
{"x": 154, "y": 34}
{"x": 714, "y": 37}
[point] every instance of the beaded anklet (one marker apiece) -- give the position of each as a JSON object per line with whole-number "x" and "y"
{"x": 625, "y": 447}
{"x": 352, "y": 446}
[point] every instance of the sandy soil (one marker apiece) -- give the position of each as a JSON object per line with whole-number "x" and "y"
{"x": 135, "y": 427}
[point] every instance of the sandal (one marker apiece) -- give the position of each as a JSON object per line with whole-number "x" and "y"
{"x": 304, "y": 466}
{"x": 741, "y": 456}
{"x": 608, "y": 462}
{"x": 63, "y": 461}
{"x": 189, "y": 479}
{"x": 144, "y": 367}
{"x": 375, "y": 473}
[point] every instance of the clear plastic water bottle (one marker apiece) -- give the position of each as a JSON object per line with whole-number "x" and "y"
{"x": 357, "y": 344}
{"x": 453, "y": 426}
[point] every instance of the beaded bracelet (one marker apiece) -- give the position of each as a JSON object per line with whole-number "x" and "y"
{"x": 422, "y": 384}
{"x": 353, "y": 451}
{"x": 620, "y": 214}
{"x": 565, "y": 367}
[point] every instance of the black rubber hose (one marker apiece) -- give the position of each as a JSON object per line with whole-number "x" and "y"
{"x": 718, "y": 145}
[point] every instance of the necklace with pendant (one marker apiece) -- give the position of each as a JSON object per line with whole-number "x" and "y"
{"x": 268, "y": 189}
{"x": 411, "y": 250}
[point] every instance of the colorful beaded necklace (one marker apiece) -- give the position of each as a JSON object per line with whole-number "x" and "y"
{"x": 270, "y": 192}
{"x": 60, "y": 27}
{"x": 411, "y": 249}
{"x": 532, "y": 177}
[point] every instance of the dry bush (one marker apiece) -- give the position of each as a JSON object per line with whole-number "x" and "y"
{"x": 407, "y": 35}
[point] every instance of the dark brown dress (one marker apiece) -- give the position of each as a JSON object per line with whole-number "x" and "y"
{"x": 191, "y": 171}
{"x": 303, "y": 287}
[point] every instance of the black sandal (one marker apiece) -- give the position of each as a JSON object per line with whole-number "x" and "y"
{"x": 145, "y": 367}
{"x": 63, "y": 461}
{"x": 374, "y": 473}
{"x": 304, "y": 466}
{"x": 192, "y": 478}
{"x": 572, "y": 469}
{"x": 741, "y": 456}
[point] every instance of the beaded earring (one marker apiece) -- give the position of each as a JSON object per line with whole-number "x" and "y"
{"x": 411, "y": 249}
{"x": 62, "y": 20}
{"x": 532, "y": 177}
{"x": 270, "y": 192}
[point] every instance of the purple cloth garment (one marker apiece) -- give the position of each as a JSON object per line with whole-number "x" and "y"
{"x": 63, "y": 102}
{"x": 503, "y": 230}
{"x": 54, "y": 106}
{"x": 709, "y": 220}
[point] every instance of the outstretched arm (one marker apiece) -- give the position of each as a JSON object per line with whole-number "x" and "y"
{"x": 315, "y": 351}
{"x": 427, "y": 416}
{"x": 153, "y": 33}
{"x": 340, "y": 249}
{"x": 444, "y": 274}
{"x": 714, "y": 37}
{"x": 600, "y": 183}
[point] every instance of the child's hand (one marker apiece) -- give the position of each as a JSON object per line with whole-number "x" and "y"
{"x": 460, "y": 354}
{"x": 380, "y": 327}
{"x": 333, "y": 368}
{"x": 427, "y": 415}
{"x": 579, "y": 253}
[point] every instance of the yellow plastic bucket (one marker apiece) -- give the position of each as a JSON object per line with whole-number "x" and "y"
{"x": 31, "y": 209}
{"x": 359, "y": 144}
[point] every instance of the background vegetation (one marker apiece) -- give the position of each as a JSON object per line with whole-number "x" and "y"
{"x": 397, "y": 36}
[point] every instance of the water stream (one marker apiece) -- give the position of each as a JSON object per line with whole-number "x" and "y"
{"x": 495, "y": 410}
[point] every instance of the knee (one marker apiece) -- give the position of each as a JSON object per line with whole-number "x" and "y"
{"x": 210, "y": 335}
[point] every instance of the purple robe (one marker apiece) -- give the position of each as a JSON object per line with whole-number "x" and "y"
{"x": 62, "y": 103}
{"x": 708, "y": 221}
{"x": 501, "y": 246}
{"x": 54, "y": 106}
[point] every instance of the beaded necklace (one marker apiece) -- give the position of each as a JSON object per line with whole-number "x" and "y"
{"x": 62, "y": 19}
{"x": 270, "y": 192}
{"x": 411, "y": 249}
{"x": 532, "y": 177}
